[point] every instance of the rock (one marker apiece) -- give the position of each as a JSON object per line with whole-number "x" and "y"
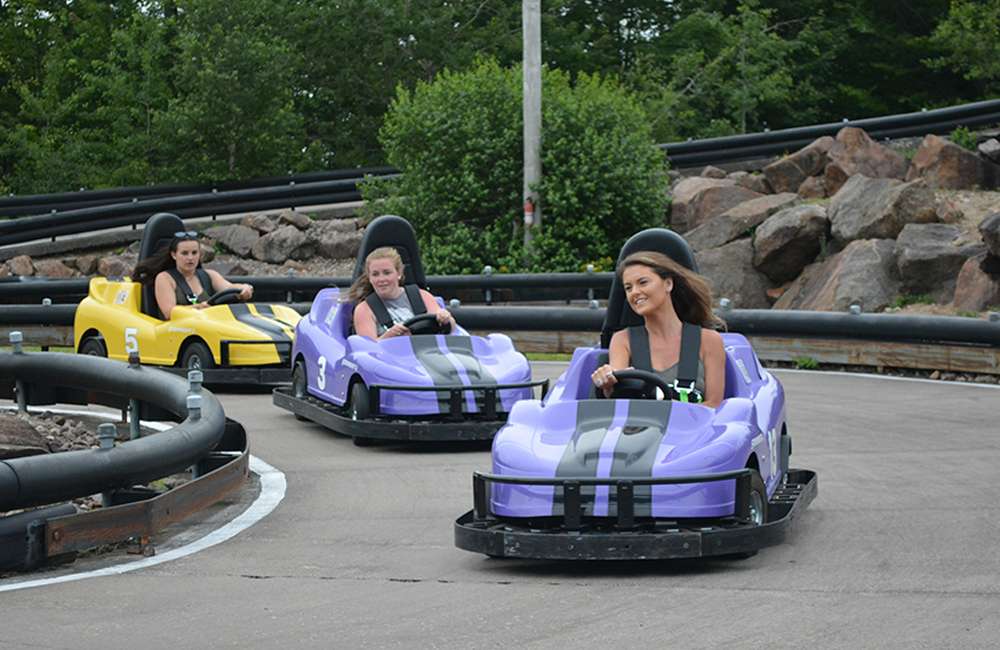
{"x": 989, "y": 229}
{"x": 861, "y": 274}
{"x": 86, "y": 264}
{"x": 789, "y": 240}
{"x": 227, "y": 268}
{"x": 335, "y": 244}
{"x": 878, "y": 208}
{"x": 298, "y": 267}
{"x": 948, "y": 212}
{"x": 697, "y": 199}
{"x": 713, "y": 172}
{"x": 929, "y": 257}
{"x": 259, "y": 222}
{"x": 207, "y": 251}
{"x": 118, "y": 266}
{"x": 756, "y": 182}
{"x": 738, "y": 221}
{"x": 788, "y": 173}
{"x": 293, "y": 218}
{"x": 854, "y": 152}
{"x": 350, "y": 224}
{"x": 945, "y": 165}
{"x": 730, "y": 274}
{"x": 4, "y": 270}
{"x": 976, "y": 290}
{"x": 990, "y": 150}
{"x": 287, "y": 242}
{"x": 19, "y": 438}
{"x": 21, "y": 265}
{"x": 52, "y": 269}
{"x": 813, "y": 187}
{"x": 237, "y": 238}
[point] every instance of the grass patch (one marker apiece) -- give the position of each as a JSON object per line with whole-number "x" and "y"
{"x": 911, "y": 299}
{"x": 548, "y": 356}
{"x": 806, "y": 363}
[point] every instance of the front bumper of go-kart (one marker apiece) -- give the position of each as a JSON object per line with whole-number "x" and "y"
{"x": 573, "y": 536}
{"x": 456, "y": 425}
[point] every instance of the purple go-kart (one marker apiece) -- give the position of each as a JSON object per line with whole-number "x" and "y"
{"x": 428, "y": 386}
{"x": 581, "y": 477}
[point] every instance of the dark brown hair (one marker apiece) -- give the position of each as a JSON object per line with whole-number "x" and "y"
{"x": 691, "y": 297}
{"x": 146, "y": 271}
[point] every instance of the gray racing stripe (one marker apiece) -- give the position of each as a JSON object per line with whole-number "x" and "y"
{"x": 441, "y": 370}
{"x": 636, "y": 450}
{"x": 593, "y": 418}
{"x": 461, "y": 346}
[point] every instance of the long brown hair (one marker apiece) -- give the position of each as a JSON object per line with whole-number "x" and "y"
{"x": 146, "y": 271}
{"x": 362, "y": 287}
{"x": 691, "y": 297}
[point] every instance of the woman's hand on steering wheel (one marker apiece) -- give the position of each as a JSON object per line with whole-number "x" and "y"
{"x": 225, "y": 296}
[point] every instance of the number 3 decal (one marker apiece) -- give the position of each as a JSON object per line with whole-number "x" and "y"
{"x": 321, "y": 376}
{"x": 131, "y": 342}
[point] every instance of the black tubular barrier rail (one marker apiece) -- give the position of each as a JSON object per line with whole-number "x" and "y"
{"x": 737, "y": 148}
{"x": 214, "y": 448}
{"x": 37, "y": 204}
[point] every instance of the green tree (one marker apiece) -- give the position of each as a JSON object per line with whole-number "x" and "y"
{"x": 459, "y": 142}
{"x": 971, "y": 36}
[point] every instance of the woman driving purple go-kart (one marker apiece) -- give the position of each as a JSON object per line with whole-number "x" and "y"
{"x": 605, "y": 468}
{"x": 387, "y": 361}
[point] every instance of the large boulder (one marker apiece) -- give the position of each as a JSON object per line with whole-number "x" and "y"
{"x": 291, "y": 217}
{"x": 854, "y": 152}
{"x": 52, "y": 269}
{"x": 989, "y": 228}
{"x": 878, "y": 208}
{"x": 976, "y": 290}
{"x": 698, "y": 199}
{"x": 756, "y": 182}
{"x": 287, "y": 242}
{"x": 861, "y": 274}
{"x": 21, "y": 265}
{"x": 730, "y": 274}
{"x": 789, "y": 240}
{"x": 334, "y": 241}
{"x": 259, "y": 222}
{"x": 788, "y": 173}
{"x": 18, "y": 438}
{"x": 237, "y": 238}
{"x": 116, "y": 266}
{"x": 929, "y": 257}
{"x": 945, "y": 165}
{"x": 738, "y": 221}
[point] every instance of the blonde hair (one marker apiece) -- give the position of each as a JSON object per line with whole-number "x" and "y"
{"x": 362, "y": 287}
{"x": 691, "y": 297}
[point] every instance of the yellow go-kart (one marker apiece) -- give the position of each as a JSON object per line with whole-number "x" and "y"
{"x": 229, "y": 342}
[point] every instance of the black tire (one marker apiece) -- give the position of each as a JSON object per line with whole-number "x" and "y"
{"x": 300, "y": 383}
{"x": 94, "y": 346}
{"x": 359, "y": 409}
{"x": 197, "y": 356}
{"x": 758, "y": 507}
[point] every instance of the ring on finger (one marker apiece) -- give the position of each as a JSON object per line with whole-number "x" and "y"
{"x": 600, "y": 382}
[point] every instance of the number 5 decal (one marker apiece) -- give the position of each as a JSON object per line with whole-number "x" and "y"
{"x": 321, "y": 376}
{"x": 131, "y": 342}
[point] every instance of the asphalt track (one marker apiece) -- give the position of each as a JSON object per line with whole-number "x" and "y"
{"x": 899, "y": 550}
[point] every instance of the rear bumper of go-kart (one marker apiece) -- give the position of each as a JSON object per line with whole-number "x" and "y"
{"x": 573, "y": 537}
{"x": 455, "y": 427}
{"x": 239, "y": 375}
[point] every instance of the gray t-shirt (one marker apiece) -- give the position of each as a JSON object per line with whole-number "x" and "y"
{"x": 670, "y": 376}
{"x": 399, "y": 310}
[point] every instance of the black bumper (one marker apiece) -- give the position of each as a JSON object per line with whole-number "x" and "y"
{"x": 641, "y": 540}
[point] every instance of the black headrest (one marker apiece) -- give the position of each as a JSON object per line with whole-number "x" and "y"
{"x": 158, "y": 232}
{"x": 620, "y": 315}
{"x": 390, "y": 230}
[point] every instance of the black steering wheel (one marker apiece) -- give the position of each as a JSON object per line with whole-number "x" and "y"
{"x": 224, "y": 297}
{"x": 425, "y": 324}
{"x": 638, "y": 384}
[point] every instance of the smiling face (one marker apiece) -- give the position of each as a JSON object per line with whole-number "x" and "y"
{"x": 386, "y": 279}
{"x": 186, "y": 256}
{"x": 645, "y": 290}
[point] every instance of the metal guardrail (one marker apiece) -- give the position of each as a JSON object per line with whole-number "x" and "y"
{"x": 737, "y": 148}
{"x": 215, "y": 449}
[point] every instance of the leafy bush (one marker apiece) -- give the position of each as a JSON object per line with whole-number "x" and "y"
{"x": 458, "y": 141}
{"x": 965, "y": 138}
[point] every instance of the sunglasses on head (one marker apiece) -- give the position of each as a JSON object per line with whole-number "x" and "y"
{"x": 183, "y": 235}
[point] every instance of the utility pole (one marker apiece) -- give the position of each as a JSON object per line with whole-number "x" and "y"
{"x": 531, "y": 26}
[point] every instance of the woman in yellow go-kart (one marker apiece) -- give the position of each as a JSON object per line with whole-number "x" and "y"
{"x": 173, "y": 313}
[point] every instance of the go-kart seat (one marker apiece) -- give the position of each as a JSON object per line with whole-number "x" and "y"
{"x": 619, "y": 314}
{"x": 390, "y": 230}
{"x": 157, "y": 233}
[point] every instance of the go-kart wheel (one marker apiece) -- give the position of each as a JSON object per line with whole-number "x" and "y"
{"x": 425, "y": 324}
{"x": 638, "y": 384}
{"x": 94, "y": 346}
{"x": 223, "y": 297}
{"x": 359, "y": 408}
{"x": 197, "y": 356}
{"x": 300, "y": 383}
{"x": 758, "y": 507}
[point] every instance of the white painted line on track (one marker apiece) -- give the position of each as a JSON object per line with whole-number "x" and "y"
{"x": 844, "y": 373}
{"x": 272, "y": 491}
